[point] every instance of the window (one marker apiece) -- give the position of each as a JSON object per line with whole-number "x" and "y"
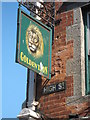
{"x": 88, "y": 46}
{"x": 86, "y": 16}
{"x": 88, "y": 32}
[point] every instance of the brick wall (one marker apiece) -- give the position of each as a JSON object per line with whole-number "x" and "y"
{"x": 66, "y": 66}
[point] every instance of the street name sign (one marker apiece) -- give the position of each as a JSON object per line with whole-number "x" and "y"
{"x": 54, "y": 88}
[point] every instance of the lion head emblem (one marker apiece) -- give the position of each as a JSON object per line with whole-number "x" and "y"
{"x": 34, "y": 41}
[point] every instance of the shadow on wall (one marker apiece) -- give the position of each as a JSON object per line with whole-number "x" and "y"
{"x": 39, "y": 86}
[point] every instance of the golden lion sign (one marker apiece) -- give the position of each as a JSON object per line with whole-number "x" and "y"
{"x": 34, "y": 45}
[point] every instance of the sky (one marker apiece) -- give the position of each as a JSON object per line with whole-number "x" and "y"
{"x": 13, "y": 76}
{"x": 0, "y": 61}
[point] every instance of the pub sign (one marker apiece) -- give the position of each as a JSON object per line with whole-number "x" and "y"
{"x": 34, "y": 44}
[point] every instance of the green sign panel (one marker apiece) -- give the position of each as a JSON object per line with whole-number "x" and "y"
{"x": 34, "y": 45}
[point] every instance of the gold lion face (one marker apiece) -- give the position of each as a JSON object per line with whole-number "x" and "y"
{"x": 34, "y": 41}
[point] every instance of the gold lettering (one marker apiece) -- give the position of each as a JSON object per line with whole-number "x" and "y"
{"x": 33, "y": 64}
{"x": 30, "y": 62}
{"x": 39, "y": 67}
{"x": 45, "y": 70}
{"x": 21, "y": 56}
{"x": 25, "y": 58}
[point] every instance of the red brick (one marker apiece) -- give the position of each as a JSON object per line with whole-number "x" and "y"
{"x": 54, "y": 105}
